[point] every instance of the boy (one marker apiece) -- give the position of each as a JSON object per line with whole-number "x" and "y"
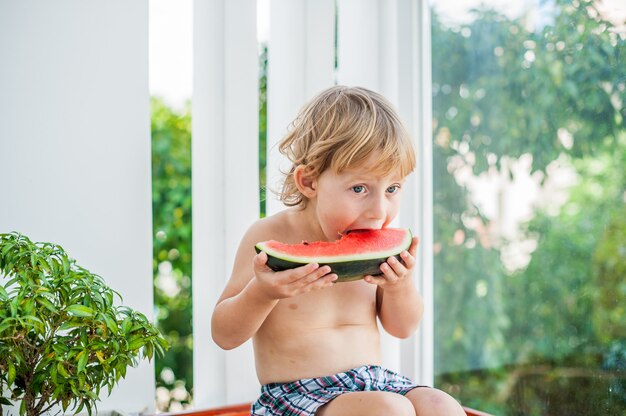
{"x": 316, "y": 343}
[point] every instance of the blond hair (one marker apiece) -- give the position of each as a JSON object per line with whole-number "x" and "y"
{"x": 339, "y": 129}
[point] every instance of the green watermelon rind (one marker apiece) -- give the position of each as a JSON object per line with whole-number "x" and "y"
{"x": 347, "y": 268}
{"x": 346, "y": 271}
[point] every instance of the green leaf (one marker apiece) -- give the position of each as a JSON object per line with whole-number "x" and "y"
{"x": 148, "y": 351}
{"x": 66, "y": 264}
{"x": 6, "y": 324}
{"x": 126, "y": 325}
{"x": 47, "y": 304}
{"x": 11, "y": 374}
{"x": 60, "y": 348}
{"x": 56, "y": 266}
{"x": 82, "y": 361}
{"x": 111, "y": 324}
{"x": 14, "y": 304}
{"x": 89, "y": 409}
{"x": 109, "y": 297}
{"x": 62, "y": 370}
{"x": 71, "y": 324}
{"x": 6, "y": 248}
{"x": 136, "y": 343}
{"x": 53, "y": 374}
{"x": 5, "y": 401}
{"x": 23, "y": 408}
{"x": 121, "y": 368}
{"x": 45, "y": 265}
{"x": 33, "y": 318}
{"x": 11, "y": 282}
{"x": 80, "y": 310}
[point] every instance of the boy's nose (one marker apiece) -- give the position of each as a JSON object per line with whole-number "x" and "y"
{"x": 376, "y": 209}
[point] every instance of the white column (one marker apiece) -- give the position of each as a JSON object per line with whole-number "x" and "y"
{"x": 225, "y": 183}
{"x": 300, "y": 64}
{"x": 75, "y": 146}
{"x": 415, "y": 107}
{"x": 368, "y": 43}
{"x": 389, "y": 40}
{"x": 319, "y": 64}
{"x": 358, "y": 43}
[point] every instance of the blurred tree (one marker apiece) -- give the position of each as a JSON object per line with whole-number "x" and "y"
{"x": 171, "y": 224}
{"x": 504, "y": 90}
{"x": 569, "y": 299}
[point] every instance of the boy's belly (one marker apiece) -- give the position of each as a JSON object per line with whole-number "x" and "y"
{"x": 316, "y": 352}
{"x": 319, "y": 334}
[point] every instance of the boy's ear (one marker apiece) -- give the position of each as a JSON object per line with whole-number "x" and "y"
{"x": 305, "y": 181}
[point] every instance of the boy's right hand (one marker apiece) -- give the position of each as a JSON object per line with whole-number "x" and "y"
{"x": 288, "y": 283}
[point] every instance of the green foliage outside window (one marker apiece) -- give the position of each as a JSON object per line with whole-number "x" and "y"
{"x": 171, "y": 224}
{"x": 547, "y": 338}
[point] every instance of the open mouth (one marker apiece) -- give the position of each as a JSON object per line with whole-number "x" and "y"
{"x": 356, "y": 230}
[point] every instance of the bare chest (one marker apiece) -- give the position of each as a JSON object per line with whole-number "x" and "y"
{"x": 352, "y": 303}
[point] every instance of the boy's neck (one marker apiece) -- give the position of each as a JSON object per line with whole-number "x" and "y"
{"x": 311, "y": 224}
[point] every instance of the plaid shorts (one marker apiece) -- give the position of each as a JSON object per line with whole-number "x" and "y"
{"x": 304, "y": 397}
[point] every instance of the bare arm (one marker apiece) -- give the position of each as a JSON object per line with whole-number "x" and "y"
{"x": 254, "y": 290}
{"x": 237, "y": 318}
{"x": 400, "y": 311}
{"x": 400, "y": 306}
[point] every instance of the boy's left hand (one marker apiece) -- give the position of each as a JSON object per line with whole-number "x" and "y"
{"x": 396, "y": 274}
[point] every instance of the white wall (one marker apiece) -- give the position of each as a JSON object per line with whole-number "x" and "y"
{"x": 225, "y": 181}
{"x": 75, "y": 145}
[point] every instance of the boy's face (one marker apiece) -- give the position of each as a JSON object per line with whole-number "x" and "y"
{"x": 356, "y": 198}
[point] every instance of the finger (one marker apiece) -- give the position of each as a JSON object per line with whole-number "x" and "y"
{"x": 407, "y": 259}
{"x": 396, "y": 266}
{"x": 297, "y": 274}
{"x": 260, "y": 262}
{"x": 375, "y": 280}
{"x": 413, "y": 247}
{"x": 311, "y": 277}
{"x": 325, "y": 281}
{"x": 389, "y": 274}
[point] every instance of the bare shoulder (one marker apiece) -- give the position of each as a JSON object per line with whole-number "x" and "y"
{"x": 275, "y": 227}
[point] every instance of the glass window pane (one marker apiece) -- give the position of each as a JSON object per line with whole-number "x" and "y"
{"x": 530, "y": 202}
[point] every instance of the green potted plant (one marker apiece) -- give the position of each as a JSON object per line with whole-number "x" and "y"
{"x": 62, "y": 339}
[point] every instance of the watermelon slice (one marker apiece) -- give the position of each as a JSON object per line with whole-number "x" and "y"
{"x": 357, "y": 254}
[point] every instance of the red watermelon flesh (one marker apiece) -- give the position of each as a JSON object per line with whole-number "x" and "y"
{"x": 354, "y": 255}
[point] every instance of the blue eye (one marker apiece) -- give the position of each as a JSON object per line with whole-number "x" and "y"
{"x": 359, "y": 189}
{"x": 393, "y": 189}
